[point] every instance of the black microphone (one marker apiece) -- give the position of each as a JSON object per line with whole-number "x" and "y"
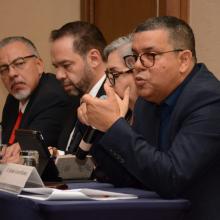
{"x": 87, "y": 140}
{"x": 89, "y": 135}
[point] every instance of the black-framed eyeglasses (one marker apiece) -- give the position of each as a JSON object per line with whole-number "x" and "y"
{"x": 112, "y": 75}
{"x": 16, "y": 64}
{"x": 147, "y": 59}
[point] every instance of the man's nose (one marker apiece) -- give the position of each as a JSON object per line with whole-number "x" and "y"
{"x": 60, "y": 74}
{"x": 138, "y": 66}
{"x": 12, "y": 71}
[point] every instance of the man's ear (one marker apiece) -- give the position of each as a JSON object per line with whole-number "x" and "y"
{"x": 185, "y": 60}
{"x": 94, "y": 58}
{"x": 40, "y": 65}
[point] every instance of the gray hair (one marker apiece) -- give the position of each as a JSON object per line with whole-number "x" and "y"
{"x": 114, "y": 45}
{"x": 27, "y": 42}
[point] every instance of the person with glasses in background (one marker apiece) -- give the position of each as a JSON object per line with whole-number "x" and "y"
{"x": 119, "y": 75}
{"x": 179, "y": 154}
{"x": 36, "y": 99}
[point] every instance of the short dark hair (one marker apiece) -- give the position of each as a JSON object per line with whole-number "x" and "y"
{"x": 180, "y": 33}
{"x": 86, "y": 36}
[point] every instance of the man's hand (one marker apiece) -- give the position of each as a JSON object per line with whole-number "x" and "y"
{"x": 103, "y": 113}
{"x": 11, "y": 154}
{"x": 54, "y": 152}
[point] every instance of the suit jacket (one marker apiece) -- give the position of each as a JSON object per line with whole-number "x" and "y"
{"x": 100, "y": 173}
{"x": 107, "y": 168}
{"x": 46, "y": 110}
{"x": 190, "y": 165}
{"x": 70, "y": 123}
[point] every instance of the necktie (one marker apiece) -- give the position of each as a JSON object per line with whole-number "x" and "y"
{"x": 16, "y": 126}
{"x": 75, "y": 140}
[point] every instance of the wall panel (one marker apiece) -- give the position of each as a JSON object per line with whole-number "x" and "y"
{"x": 35, "y": 19}
{"x": 204, "y": 19}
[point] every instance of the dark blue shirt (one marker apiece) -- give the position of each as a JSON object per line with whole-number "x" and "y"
{"x": 166, "y": 109}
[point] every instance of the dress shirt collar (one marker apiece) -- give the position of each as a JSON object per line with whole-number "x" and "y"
{"x": 22, "y": 107}
{"x": 93, "y": 92}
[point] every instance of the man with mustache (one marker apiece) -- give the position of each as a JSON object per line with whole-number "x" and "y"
{"x": 36, "y": 100}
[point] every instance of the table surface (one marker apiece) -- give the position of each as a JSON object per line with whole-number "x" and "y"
{"x": 148, "y": 206}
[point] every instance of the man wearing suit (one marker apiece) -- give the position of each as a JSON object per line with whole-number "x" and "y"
{"x": 34, "y": 95}
{"x": 177, "y": 154}
{"x": 77, "y": 55}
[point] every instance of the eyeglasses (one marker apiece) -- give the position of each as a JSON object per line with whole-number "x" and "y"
{"x": 147, "y": 59}
{"x": 16, "y": 64}
{"x": 113, "y": 74}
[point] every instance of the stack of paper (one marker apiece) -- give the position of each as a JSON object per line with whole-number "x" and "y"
{"x": 74, "y": 194}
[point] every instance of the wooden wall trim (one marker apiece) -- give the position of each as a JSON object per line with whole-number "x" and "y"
{"x": 184, "y": 12}
{"x": 178, "y": 8}
{"x": 87, "y": 10}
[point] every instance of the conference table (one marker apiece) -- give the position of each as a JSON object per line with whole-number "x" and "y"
{"x": 148, "y": 206}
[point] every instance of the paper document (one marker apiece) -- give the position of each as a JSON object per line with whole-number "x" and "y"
{"x": 74, "y": 194}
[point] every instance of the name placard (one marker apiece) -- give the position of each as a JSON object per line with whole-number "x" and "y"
{"x": 14, "y": 177}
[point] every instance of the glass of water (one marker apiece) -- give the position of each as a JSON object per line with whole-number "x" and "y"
{"x": 30, "y": 157}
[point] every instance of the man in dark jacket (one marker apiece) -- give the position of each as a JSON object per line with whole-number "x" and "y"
{"x": 77, "y": 55}
{"x": 36, "y": 100}
{"x": 175, "y": 150}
